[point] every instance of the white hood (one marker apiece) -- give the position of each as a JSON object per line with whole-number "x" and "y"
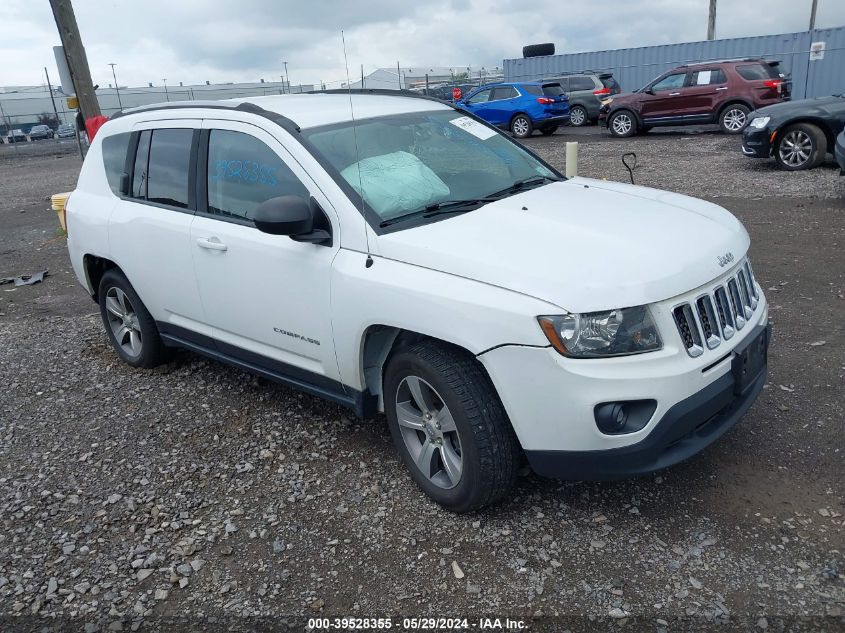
{"x": 582, "y": 244}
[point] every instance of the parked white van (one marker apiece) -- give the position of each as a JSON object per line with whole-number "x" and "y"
{"x": 392, "y": 254}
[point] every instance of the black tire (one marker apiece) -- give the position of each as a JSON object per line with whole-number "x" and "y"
{"x": 152, "y": 351}
{"x": 521, "y": 126}
{"x": 733, "y": 118}
{"x": 548, "y": 130}
{"x": 806, "y": 136}
{"x": 490, "y": 451}
{"x": 643, "y": 129}
{"x": 622, "y": 124}
{"x": 538, "y": 50}
{"x": 581, "y": 117}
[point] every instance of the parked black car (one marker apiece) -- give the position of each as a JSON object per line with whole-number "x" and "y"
{"x": 797, "y": 133}
{"x": 840, "y": 152}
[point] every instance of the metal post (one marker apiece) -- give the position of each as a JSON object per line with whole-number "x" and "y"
{"x": 362, "y": 76}
{"x": 398, "y": 75}
{"x": 287, "y": 78}
{"x": 8, "y": 125}
{"x": 50, "y": 88}
{"x": 166, "y": 94}
{"x": 426, "y": 84}
{"x": 119, "y": 102}
{"x": 711, "y": 21}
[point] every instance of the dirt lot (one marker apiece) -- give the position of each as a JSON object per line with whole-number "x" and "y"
{"x": 199, "y": 494}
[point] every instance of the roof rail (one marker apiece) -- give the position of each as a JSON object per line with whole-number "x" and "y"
{"x": 245, "y": 106}
{"x": 722, "y": 61}
{"x": 384, "y": 92}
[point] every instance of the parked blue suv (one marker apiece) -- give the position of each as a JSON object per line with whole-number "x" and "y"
{"x": 520, "y": 107}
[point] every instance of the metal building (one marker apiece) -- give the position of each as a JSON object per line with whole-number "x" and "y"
{"x": 814, "y": 74}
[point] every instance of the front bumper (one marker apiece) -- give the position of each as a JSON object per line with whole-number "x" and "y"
{"x": 551, "y": 400}
{"x": 684, "y": 430}
{"x": 756, "y": 143}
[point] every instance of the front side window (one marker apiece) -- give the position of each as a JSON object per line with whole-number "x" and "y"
{"x": 243, "y": 172}
{"x": 413, "y": 163}
{"x": 670, "y": 82}
{"x": 479, "y": 97}
{"x": 114, "y": 159}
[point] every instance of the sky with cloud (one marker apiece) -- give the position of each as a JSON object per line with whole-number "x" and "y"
{"x": 197, "y": 40}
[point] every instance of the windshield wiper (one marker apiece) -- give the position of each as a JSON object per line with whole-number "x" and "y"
{"x": 519, "y": 185}
{"x": 438, "y": 208}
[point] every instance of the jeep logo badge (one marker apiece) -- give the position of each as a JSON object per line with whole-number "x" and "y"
{"x": 725, "y": 259}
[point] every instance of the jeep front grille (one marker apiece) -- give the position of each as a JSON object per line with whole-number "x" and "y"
{"x": 715, "y": 316}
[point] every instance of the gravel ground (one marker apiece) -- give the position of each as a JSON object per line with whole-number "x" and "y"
{"x": 196, "y": 493}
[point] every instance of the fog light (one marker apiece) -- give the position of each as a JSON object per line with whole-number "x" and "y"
{"x": 611, "y": 417}
{"x": 628, "y": 416}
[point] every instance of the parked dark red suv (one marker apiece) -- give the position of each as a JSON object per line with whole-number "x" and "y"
{"x": 722, "y": 92}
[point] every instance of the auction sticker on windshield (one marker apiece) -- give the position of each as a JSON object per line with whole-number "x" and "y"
{"x": 473, "y": 127}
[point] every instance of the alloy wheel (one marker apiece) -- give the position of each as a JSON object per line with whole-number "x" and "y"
{"x": 123, "y": 321}
{"x": 577, "y": 116}
{"x": 429, "y": 432}
{"x": 795, "y": 148}
{"x": 520, "y": 126}
{"x": 735, "y": 119}
{"x": 622, "y": 124}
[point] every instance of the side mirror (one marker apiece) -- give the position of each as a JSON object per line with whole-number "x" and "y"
{"x": 294, "y": 216}
{"x": 648, "y": 91}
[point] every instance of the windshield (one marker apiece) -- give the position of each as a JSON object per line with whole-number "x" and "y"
{"x": 410, "y": 163}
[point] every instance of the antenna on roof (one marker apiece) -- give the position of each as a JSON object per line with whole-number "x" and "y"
{"x": 369, "y": 261}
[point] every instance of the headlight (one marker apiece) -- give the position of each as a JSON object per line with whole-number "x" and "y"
{"x": 759, "y": 122}
{"x": 596, "y": 334}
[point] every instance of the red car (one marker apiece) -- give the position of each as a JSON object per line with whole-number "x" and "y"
{"x": 722, "y": 92}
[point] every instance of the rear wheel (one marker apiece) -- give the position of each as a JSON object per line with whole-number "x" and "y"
{"x": 622, "y": 124}
{"x": 449, "y": 426}
{"x": 130, "y": 327}
{"x": 578, "y": 116}
{"x": 548, "y": 130}
{"x": 801, "y": 146}
{"x": 521, "y": 126}
{"x": 734, "y": 118}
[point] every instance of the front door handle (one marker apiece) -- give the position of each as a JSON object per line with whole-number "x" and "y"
{"x": 674, "y": 94}
{"x": 211, "y": 243}
{"x": 722, "y": 88}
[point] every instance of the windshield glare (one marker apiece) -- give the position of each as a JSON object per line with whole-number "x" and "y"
{"x": 407, "y": 162}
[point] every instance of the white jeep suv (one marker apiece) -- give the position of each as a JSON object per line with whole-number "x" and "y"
{"x": 392, "y": 254}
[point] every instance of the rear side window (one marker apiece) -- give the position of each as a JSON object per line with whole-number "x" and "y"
{"x": 243, "y": 172}
{"x": 581, "y": 83}
{"x": 170, "y": 162}
{"x": 708, "y": 77}
{"x": 757, "y": 71}
{"x": 533, "y": 90}
{"x": 114, "y": 159}
{"x": 552, "y": 90}
{"x": 503, "y": 92}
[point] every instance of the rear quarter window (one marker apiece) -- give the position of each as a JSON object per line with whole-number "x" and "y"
{"x": 114, "y": 159}
{"x": 752, "y": 72}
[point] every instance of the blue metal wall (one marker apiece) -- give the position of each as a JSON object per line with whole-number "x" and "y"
{"x": 634, "y": 67}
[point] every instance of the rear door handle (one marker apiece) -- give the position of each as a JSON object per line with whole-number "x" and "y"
{"x": 722, "y": 88}
{"x": 211, "y": 243}
{"x": 674, "y": 94}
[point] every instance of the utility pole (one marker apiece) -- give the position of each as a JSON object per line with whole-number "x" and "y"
{"x": 166, "y": 94}
{"x": 813, "y": 14}
{"x": 399, "y": 75}
{"x": 50, "y": 88}
{"x": 362, "y": 76}
{"x": 287, "y": 78}
{"x": 119, "y": 102}
{"x": 711, "y": 21}
{"x": 77, "y": 61}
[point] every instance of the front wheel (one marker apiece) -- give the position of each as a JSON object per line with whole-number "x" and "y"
{"x": 622, "y": 124}
{"x": 801, "y": 146}
{"x": 521, "y": 126}
{"x": 734, "y": 118}
{"x": 449, "y": 426}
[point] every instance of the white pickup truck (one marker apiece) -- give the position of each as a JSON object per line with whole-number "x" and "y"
{"x": 394, "y": 255}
